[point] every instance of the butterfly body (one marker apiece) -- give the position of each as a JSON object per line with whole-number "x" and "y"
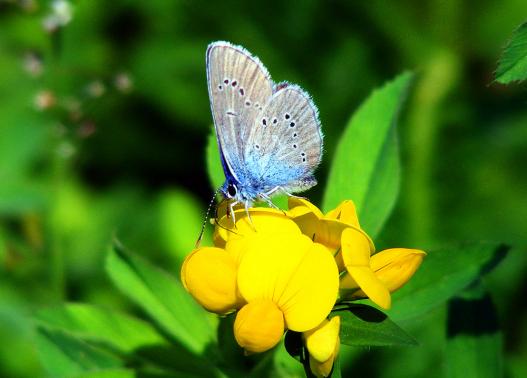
{"x": 268, "y": 134}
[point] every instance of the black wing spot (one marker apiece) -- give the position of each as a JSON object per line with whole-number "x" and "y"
{"x": 220, "y": 87}
{"x": 264, "y": 122}
{"x": 295, "y": 135}
{"x": 287, "y": 116}
{"x": 234, "y": 83}
{"x": 226, "y": 81}
{"x": 257, "y": 146}
{"x": 241, "y": 91}
{"x": 247, "y": 103}
{"x": 304, "y": 160}
{"x": 231, "y": 113}
{"x": 295, "y": 146}
{"x": 303, "y": 154}
{"x": 292, "y": 124}
{"x": 275, "y": 121}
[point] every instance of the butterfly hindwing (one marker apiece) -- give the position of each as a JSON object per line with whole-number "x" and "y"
{"x": 239, "y": 86}
{"x": 284, "y": 145}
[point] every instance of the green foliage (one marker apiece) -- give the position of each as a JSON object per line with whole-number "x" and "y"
{"x": 214, "y": 167}
{"x": 162, "y": 297}
{"x": 513, "y": 61}
{"x": 474, "y": 344}
{"x": 128, "y": 162}
{"x": 116, "y": 330}
{"x": 65, "y": 356}
{"x": 181, "y": 218}
{"x": 366, "y": 164}
{"x": 365, "y": 326}
{"x": 444, "y": 273}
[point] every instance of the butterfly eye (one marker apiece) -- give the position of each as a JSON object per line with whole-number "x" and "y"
{"x": 231, "y": 190}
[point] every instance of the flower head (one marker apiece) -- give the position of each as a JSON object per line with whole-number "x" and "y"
{"x": 274, "y": 275}
{"x": 283, "y": 271}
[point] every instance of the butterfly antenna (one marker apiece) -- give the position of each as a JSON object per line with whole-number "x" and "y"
{"x": 211, "y": 203}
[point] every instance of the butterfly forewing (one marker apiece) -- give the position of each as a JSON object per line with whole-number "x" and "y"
{"x": 239, "y": 86}
{"x": 284, "y": 145}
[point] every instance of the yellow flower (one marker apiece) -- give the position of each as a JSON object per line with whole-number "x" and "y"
{"x": 282, "y": 271}
{"x": 273, "y": 274}
{"x": 209, "y": 274}
{"x": 393, "y": 267}
{"x": 326, "y": 229}
{"x": 299, "y": 276}
{"x": 339, "y": 230}
{"x": 323, "y": 344}
{"x": 356, "y": 256}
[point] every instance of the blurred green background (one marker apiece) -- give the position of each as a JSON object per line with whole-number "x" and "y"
{"x": 104, "y": 118}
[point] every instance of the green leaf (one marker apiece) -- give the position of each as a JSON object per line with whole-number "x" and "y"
{"x": 474, "y": 341}
{"x": 178, "y": 361}
{"x": 443, "y": 274}
{"x": 366, "y": 165}
{"x": 64, "y": 355}
{"x": 162, "y": 297}
{"x": 513, "y": 61}
{"x": 180, "y": 210}
{"x": 336, "y": 372}
{"x": 214, "y": 167}
{"x": 120, "y": 331}
{"x": 362, "y": 325}
{"x": 109, "y": 373}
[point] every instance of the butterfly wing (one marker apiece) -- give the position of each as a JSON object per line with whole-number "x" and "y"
{"x": 284, "y": 146}
{"x": 239, "y": 86}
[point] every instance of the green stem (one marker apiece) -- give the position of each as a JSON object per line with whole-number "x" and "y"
{"x": 424, "y": 121}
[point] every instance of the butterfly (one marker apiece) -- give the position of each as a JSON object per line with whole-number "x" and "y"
{"x": 268, "y": 134}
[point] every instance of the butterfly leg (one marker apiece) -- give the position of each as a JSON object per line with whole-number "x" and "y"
{"x": 231, "y": 211}
{"x": 270, "y": 192}
{"x": 267, "y": 199}
{"x": 247, "y": 205}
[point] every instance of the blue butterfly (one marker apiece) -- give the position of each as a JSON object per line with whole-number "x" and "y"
{"x": 268, "y": 134}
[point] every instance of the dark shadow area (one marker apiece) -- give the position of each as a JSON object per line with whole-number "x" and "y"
{"x": 475, "y": 317}
{"x": 363, "y": 312}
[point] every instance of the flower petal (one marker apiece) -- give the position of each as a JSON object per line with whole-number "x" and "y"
{"x": 321, "y": 341}
{"x": 259, "y": 326}
{"x": 301, "y": 206}
{"x": 371, "y": 285}
{"x": 355, "y": 248}
{"x": 346, "y": 213}
{"x": 395, "y": 266}
{"x": 300, "y": 276}
{"x": 305, "y": 215}
{"x": 209, "y": 275}
{"x": 263, "y": 220}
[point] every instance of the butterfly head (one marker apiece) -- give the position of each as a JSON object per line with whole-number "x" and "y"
{"x": 231, "y": 191}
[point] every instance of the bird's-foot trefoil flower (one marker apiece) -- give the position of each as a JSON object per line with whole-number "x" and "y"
{"x": 280, "y": 271}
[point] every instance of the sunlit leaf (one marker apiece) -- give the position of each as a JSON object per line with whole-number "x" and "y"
{"x": 362, "y": 325}
{"x": 443, "y": 274}
{"x": 366, "y": 165}
{"x": 474, "y": 341}
{"x": 162, "y": 297}
{"x": 92, "y": 323}
{"x": 181, "y": 220}
{"x": 64, "y": 355}
{"x": 513, "y": 62}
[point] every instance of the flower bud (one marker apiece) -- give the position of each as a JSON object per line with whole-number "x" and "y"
{"x": 323, "y": 344}
{"x": 395, "y": 266}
